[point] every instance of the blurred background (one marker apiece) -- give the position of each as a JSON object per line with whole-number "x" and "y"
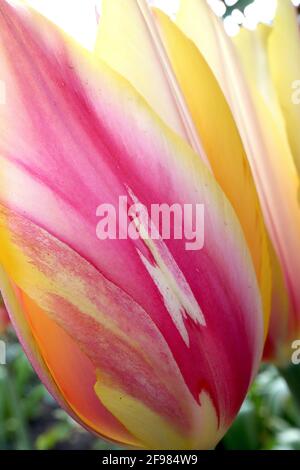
{"x": 30, "y": 418}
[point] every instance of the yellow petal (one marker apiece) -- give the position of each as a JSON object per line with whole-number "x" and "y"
{"x": 222, "y": 143}
{"x": 284, "y": 57}
{"x": 263, "y": 135}
{"x": 197, "y": 21}
{"x": 281, "y": 329}
{"x": 281, "y": 180}
{"x": 133, "y": 413}
{"x": 129, "y": 42}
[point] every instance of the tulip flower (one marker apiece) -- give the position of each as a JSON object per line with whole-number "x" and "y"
{"x": 141, "y": 340}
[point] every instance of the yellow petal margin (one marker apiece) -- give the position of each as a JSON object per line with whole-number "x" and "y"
{"x": 222, "y": 144}
{"x": 133, "y": 48}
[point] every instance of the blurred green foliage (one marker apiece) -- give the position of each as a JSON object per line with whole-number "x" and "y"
{"x": 30, "y": 418}
{"x": 269, "y": 417}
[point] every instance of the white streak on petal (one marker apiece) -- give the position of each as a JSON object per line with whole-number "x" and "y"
{"x": 167, "y": 276}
